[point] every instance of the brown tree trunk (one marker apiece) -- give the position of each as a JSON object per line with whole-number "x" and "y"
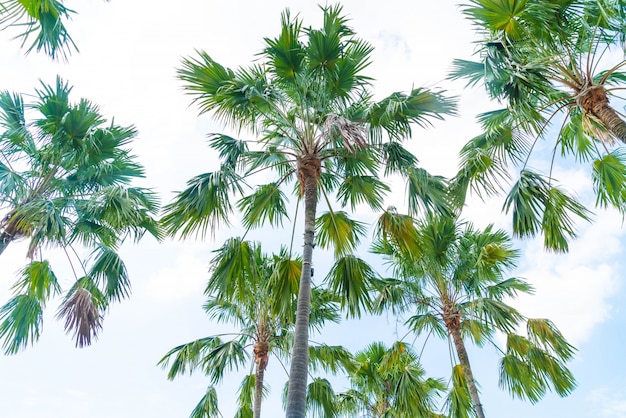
{"x": 594, "y": 101}
{"x": 461, "y": 352}
{"x": 308, "y": 174}
{"x": 260, "y": 358}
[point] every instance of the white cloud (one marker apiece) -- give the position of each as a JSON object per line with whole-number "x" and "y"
{"x": 607, "y": 403}
{"x": 574, "y": 290}
{"x": 185, "y": 278}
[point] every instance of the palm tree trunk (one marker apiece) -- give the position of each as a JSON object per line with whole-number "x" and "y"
{"x": 612, "y": 121}
{"x": 259, "y": 375}
{"x": 595, "y": 102}
{"x": 467, "y": 369}
{"x": 296, "y": 396}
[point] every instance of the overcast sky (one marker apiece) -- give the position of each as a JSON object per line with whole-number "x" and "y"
{"x": 129, "y": 51}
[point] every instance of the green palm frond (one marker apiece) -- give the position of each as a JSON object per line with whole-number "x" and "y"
{"x": 187, "y": 358}
{"x": 267, "y": 204}
{"x": 398, "y": 111}
{"x": 335, "y": 230}
{"x": 539, "y": 206}
{"x": 329, "y": 358}
{"x": 223, "y": 357}
{"x": 398, "y": 229}
{"x": 207, "y": 407}
{"x": 286, "y": 52}
{"x": 356, "y": 190}
{"x": 324, "y": 308}
{"x": 509, "y": 288}
{"x": 110, "y": 274}
{"x": 458, "y": 401}
{"x": 528, "y": 371}
{"x": 39, "y": 281}
{"x": 397, "y": 158}
{"x": 21, "y": 321}
{"x": 495, "y": 313}
{"x": 427, "y": 193}
{"x": 321, "y": 399}
{"x": 352, "y": 278}
{"x": 245, "y": 393}
{"x": 545, "y": 334}
{"x": 43, "y": 19}
{"x": 204, "y": 205}
{"x": 609, "y": 179}
{"x": 427, "y": 322}
{"x": 233, "y": 266}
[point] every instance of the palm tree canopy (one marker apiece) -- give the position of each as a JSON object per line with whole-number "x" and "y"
{"x": 65, "y": 182}
{"x": 451, "y": 280}
{"x": 318, "y": 129}
{"x": 557, "y": 67}
{"x": 255, "y": 293}
{"x": 306, "y": 97}
{"x": 390, "y": 382}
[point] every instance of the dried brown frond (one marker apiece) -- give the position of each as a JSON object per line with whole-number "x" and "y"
{"x": 354, "y": 136}
{"x": 81, "y": 316}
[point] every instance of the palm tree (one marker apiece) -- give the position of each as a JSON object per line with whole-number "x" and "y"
{"x": 43, "y": 19}
{"x": 256, "y": 293}
{"x": 389, "y": 383}
{"x": 64, "y": 182}
{"x": 550, "y": 63}
{"x": 308, "y": 101}
{"x": 451, "y": 276}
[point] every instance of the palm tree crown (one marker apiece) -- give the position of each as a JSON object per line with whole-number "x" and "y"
{"x": 64, "y": 182}
{"x": 256, "y": 293}
{"x": 451, "y": 276}
{"x": 557, "y": 68}
{"x": 308, "y": 102}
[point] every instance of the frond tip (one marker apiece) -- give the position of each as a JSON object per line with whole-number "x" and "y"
{"x": 81, "y": 316}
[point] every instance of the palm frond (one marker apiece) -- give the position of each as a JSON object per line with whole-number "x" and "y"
{"x": 335, "y": 230}
{"x": 352, "y": 278}
{"x": 22, "y": 319}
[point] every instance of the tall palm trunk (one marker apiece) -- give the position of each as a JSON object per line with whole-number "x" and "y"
{"x": 308, "y": 174}
{"x": 467, "y": 369}
{"x": 594, "y": 101}
{"x": 261, "y": 357}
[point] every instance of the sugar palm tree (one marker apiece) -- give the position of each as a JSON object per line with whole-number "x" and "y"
{"x": 557, "y": 67}
{"x": 308, "y": 102}
{"x": 389, "y": 383}
{"x": 256, "y": 293}
{"x": 65, "y": 183}
{"x": 451, "y": 277}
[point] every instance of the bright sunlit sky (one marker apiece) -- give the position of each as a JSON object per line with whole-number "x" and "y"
{"x": 129, "y": 51}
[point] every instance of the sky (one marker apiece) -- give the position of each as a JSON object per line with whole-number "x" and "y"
{"x": 129, "y": 51}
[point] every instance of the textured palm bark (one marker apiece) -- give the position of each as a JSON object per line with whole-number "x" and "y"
{"x": 594, "y": 101}
{"x": 461, "y": 352}
{"x": 308, "y": 173}
{"x": 260, "y": 358}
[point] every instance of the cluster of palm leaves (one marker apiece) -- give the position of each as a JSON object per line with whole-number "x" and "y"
{"x": 556, "y": 67}
{"x": 318, "y": 130}
{"x": 43, "y": 21}
{"x": 64, "y": 183}
{"x": 313, "y": 124}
